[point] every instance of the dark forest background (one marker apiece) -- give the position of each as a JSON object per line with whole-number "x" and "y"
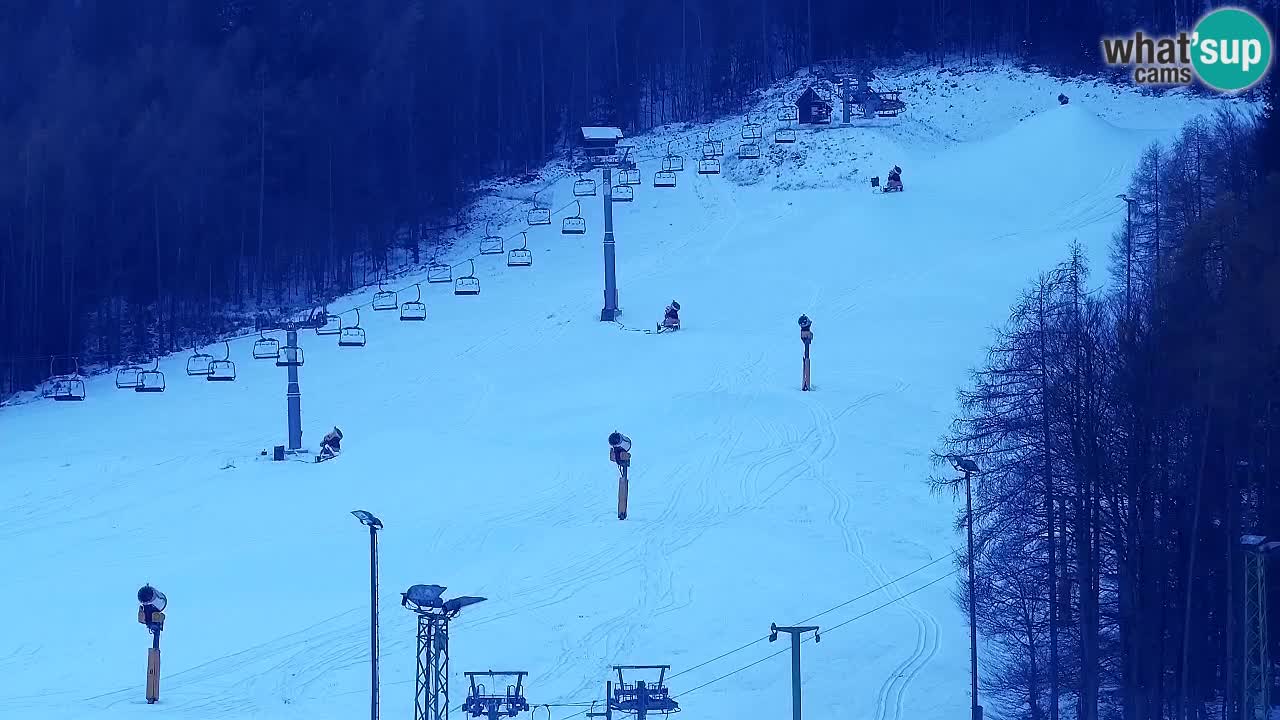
{"x": 172, "y": 167}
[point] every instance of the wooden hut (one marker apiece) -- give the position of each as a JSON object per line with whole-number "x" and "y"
{"x": 812, "y": 109}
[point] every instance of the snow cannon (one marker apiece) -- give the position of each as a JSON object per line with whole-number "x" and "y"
{"x": 149, "y": 597}
{"x": 151, "y": 605}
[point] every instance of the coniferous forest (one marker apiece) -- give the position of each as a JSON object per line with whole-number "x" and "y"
{"x": 175, "y": 168}
{"x": 1127, "y": 439}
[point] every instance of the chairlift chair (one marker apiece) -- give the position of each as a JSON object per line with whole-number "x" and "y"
{"x": 385, "y": 299}
{"x": 127, "y": 377}
{"x": 291, "y": 356}
{"x": 490, "y": 244}
{"x": 198, "y": 363}
{"x": 750, "y": 130}
{"x": 414, "y": 310}
{"x": 150, "y": 381}
{"x": 438, "y": 272}
{"x": 521, "y": 256}
{"x": 64, "y": 383}
{"x": 672, "y": 163}
{"x": 467, "y": 284}
{"x": 332, "y": 325}
{"x": 574, "y": 224}
{"x": 664, "y": 179}
{"x": 539, "y": 215}
{"x": 623, "y": 193}
{"x": 712, "y": 148}
{"x": 353, "y": 336}
{"x": 709, "y": 166}
{"x": 748, "y": 151}
{"x": 788, "y": 113}
{"x": 584, "y": 187}
{"x": 784, "y": 135}
{"x": 65, "y": 388}
{"x": 629, "y": 176}
{"x": 222, "y": 370}
{"x": 265, "y": 348}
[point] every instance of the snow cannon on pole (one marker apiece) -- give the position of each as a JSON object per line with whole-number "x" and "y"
{"x": 151, "y": 605}
{"x": 806, "y": 337}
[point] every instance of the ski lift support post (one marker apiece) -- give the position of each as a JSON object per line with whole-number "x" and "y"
{"x": 291, "y": 357}
{"x": 640, "y": 697}
{"x": 600, "y": 151}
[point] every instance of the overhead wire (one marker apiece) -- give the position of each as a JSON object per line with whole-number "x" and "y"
{"x": 833, "y": 628}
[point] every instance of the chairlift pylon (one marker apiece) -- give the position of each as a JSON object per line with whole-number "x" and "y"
{"x": 664, "y": 179}
{"x": 467, "y": 284}
{"x": 521, "y": 256}
{"x": 265, "y": 348}
{"x": 353, "y": 336}
{"x": 150, "y": 381}
{"x": 385, "y": 299}
{"x": 574, "y": 224}
{"x": 490, "y": 244}
{"x": 414, "y": 310}
{"x": 539, "y": 215}
{"x": 198, "y": 363}
{"x": 222, "y": 370}
{"x": 671, "y": 162}
{"x": 709, "y": 166}
{"x": 584, "y": 187}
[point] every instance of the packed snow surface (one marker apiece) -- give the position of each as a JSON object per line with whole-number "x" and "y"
{"x": 478, "y": 437}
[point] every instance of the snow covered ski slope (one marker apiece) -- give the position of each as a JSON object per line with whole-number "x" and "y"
{"x": 478, "y": 437}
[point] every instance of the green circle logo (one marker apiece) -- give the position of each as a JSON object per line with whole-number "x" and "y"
{"x": 1231, "y": 49}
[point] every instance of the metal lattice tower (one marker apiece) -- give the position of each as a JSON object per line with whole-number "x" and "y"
{"x": 1257, "y": 681}
{"x": 431, "y": 691}
{"x": 431, "y": 681}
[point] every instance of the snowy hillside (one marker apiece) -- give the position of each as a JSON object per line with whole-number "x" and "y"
{"x": 478, "y": 437}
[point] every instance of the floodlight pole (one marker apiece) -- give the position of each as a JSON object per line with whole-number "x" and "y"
{"x": 975, "y": 710}
{"x": 373, "y": 617}
{"x": 373, "y": 524}
{"x": 610, "y": 311}
{"x": 795, "y": 633}
{"x": 1128, "y": 252}
{"x": 293, "y": 395}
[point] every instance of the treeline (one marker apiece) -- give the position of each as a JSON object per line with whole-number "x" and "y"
{"x": 173, "y": 168}
{"x": 1127, "y": 439}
